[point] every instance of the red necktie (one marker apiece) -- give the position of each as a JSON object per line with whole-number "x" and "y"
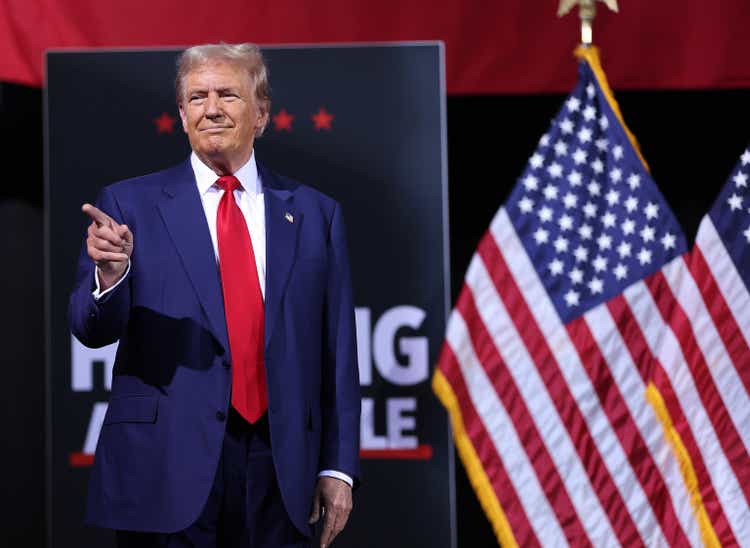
{"x": 243, "y": 305}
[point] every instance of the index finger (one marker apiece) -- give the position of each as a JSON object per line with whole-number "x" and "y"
{"x": 96, "y": 215}
{"x": 329, "y": 525}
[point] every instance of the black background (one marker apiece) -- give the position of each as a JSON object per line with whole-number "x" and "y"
{"x": 691, "y": 139}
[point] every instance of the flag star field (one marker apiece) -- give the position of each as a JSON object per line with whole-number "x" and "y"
{"x": 587, "y": 211}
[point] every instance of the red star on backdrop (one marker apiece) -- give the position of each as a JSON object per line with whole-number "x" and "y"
{"x": 322, "y": 119}
{"x": 283, "y": 121}
{"x": 165, "y": 123}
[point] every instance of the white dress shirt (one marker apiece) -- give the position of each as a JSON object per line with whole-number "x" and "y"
{"x": 249, "y": 198}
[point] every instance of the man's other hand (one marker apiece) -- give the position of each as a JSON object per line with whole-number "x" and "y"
{"x": 109, "y": 245}
{"x": 334, "y": 498}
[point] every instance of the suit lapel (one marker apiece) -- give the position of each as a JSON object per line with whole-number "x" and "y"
{"x": 282, "y": 225}
{"x": 183, "y": 214}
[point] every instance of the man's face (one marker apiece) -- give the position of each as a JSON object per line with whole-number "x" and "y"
{"x": 220, "y": 114}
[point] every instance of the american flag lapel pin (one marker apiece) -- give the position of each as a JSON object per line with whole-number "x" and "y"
{"x": 289, "y": 217}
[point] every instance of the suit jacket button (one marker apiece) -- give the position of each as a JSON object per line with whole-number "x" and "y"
{"x": 225, "y": 364}
{"x": 220, "y": 416}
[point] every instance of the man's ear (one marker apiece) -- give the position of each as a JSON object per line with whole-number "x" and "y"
{"x": 183, "y": 117}
{"x": 262, "y": 120}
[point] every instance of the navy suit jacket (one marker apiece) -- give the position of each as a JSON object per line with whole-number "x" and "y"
{"x": 162, "y": 435}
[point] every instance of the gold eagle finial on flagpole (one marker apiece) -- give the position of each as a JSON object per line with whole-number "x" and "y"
{"x": 587, "y": 12}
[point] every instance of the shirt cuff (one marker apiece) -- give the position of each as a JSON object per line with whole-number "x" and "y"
{"x": 337, "y": 475}
{"x": 98, "y": 293}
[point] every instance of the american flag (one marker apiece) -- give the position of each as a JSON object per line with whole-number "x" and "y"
{"x": 563, "y": 368}
{"x": 703, "y": 364}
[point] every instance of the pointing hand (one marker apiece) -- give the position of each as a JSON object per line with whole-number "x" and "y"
{"x": 109, "y": 245}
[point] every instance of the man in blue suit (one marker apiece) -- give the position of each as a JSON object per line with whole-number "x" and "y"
{"x": 234, "y": 414}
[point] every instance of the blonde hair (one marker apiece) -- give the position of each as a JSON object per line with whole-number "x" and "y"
{"x": 247, "y": 56}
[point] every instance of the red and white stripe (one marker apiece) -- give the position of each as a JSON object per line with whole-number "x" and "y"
{"x": 711, "y": 368}
{"x": 672, "y": 377}
{"x": 705, "y": 309}
{"x": 725, "y": 295}
{"x": 563, "y": 409}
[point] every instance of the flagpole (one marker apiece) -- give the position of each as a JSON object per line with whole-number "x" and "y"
{"x": 587, "y": 13}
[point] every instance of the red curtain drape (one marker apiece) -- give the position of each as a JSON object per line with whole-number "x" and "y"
{"x": 492, "y": 46}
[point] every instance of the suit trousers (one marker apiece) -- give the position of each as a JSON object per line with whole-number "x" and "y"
{"x": 244, "y": 508}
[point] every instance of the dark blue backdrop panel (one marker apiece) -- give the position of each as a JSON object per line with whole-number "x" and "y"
{"x": 365, "y": 125}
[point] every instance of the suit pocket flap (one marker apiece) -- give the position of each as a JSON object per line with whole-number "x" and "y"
{"x": 132, "y": 409}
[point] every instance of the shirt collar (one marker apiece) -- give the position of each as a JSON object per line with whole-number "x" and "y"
{"x": 247, "y": 175}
